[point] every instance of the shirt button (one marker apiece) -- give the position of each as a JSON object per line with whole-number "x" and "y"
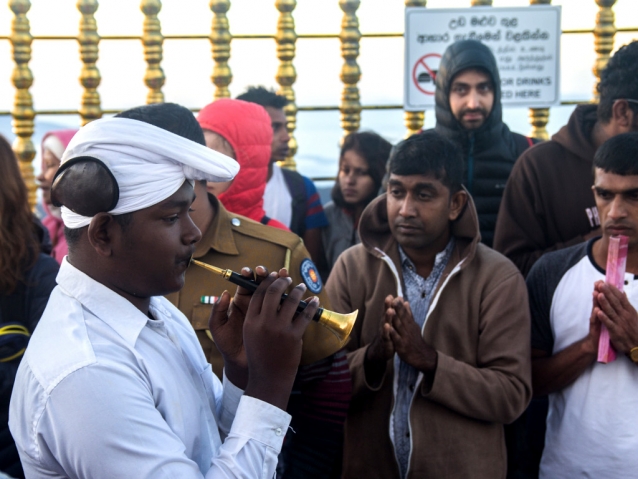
{"x": 278, "y": 431}
{"x": 407, "y": 434}
{"x": 423, "y": 294}
{"x": 412, "y": 387}
{"x": 626, "y": 283}
{"x": 235, "y": 222}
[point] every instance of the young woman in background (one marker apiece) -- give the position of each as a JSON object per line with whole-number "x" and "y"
{"x": 27, "y": 277}
{"x": 53, "y": 145}
{"x": 361, "y": 170}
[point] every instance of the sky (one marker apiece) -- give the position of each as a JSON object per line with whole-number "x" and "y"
{"x": 188, "y": 64}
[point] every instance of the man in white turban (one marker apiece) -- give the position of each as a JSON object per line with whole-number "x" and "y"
{"x": 114, "y": 383}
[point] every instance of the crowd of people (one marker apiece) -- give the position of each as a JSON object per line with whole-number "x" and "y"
{"x": 475, "y": 257}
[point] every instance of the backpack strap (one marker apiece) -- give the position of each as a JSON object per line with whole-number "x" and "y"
{"x": 523, "y": 142}
{"x": 297, "y": 188}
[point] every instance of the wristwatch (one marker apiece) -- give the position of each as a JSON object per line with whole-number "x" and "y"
{"x": 633, "y": 354}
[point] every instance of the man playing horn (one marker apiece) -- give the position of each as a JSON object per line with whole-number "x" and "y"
{"x": 114, "y": 382}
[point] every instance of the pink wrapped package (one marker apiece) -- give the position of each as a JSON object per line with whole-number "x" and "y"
{"x": 616, "y": 263}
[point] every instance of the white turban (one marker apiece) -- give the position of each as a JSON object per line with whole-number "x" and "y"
{"x": 148, "y": 163}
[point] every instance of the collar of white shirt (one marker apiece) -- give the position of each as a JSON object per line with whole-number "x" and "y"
{"x": 106, "y": 304}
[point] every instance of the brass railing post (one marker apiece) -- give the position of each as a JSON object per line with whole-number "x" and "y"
{"x": 22, "y": 77}
{"x": 153, "y": 40}
{"x": 220, "y": 44}
{"x": 539, "y": 117}
{"x": 350, "y": 72}
{"x": 604, "y": 32}
{"x": 90, "y": 75}
{"x": 413, "y": 120}
{"x": 286, "y": 38}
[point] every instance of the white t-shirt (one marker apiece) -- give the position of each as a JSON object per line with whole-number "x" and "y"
{"x": 277, "y": 198}
{"x": 592, "y": 427}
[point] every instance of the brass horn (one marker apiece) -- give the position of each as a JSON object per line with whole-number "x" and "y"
{"x": 338, "y": 324}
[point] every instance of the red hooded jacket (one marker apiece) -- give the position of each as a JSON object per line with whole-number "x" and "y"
{"x": 247, "y": 127}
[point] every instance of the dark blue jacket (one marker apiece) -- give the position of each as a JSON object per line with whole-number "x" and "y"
{"x": 24, "y": 306}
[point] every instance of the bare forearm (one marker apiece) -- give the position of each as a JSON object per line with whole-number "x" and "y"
{"x": 553, "y": 373}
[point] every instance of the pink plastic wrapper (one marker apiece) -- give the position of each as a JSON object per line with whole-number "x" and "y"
{"x": 616, "y": 263}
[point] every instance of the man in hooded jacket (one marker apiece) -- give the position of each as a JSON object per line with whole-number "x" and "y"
{"x": 468, "y": 112}
{"x": 440, "y": 354}
{"x": 548, "y": 203}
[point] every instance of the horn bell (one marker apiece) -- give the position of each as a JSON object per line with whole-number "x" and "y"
{"x": 338, "y": 324}
{"x": 327, "y": 336}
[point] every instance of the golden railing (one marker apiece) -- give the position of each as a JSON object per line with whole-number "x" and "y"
{"x": 220, "y": 38}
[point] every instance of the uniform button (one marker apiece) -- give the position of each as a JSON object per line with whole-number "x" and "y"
{"x": 278, "y": 431}
{"x": 235, "y": 222}
{"x": 407, "y": 434}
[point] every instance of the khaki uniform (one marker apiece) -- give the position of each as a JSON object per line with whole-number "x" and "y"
{"x": 232, "y": 242}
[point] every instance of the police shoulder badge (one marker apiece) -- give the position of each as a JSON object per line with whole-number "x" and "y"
{"x": 311, "y": 276}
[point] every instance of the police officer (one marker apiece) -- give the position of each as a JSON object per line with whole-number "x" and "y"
{"x": 232, "y": 241}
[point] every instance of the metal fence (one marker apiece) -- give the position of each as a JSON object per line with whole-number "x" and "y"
{"x": 350, "y": 108}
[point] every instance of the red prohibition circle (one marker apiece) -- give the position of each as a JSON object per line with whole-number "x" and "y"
{"x": 421, "y": 61}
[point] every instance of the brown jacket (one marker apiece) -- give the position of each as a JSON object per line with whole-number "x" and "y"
{"x": 548, "y": 203}
{"x": 479, "y": 324}
{"x": 233, "y": 241}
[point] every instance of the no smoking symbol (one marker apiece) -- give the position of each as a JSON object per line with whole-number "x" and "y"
{"x": 424, "y": 72}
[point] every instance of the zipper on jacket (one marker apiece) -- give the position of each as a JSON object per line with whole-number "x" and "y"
{"x": 419, "y": 379}
{"x": 470, "y": 165}
{"x": 395, "y": 360}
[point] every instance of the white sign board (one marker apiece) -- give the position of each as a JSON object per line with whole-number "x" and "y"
{"x": 524, "y": 40}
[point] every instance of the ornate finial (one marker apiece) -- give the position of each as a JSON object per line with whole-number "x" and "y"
{"x": 220, "y": 42}
{"x": 90, "y": 75}
{"x": 413, "y": 120}
{"x": 22, "y": 77}
{"x": 350, "y": 71}
{"x": 539, "y": 117}
{"x": 603, "y": 38}
{"x": 153, "y": 40}
{"x": 286, "y": 73}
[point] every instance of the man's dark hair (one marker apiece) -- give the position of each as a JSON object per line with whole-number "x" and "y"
{"x": 429, "y": 153}
{"x": 72, "y": 236}
{"x": 619, "y": 80}
{"x": 168, "y": 116}
{"x": 375, "y": 150}
{"x": 619, "y": 155}
{"x": 263, "y": 97}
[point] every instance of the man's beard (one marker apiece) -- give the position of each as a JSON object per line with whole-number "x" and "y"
{"x": 473, "y": 124}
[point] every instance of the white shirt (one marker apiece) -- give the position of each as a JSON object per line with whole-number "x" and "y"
{"x": 105, "y": 392}
{"x": 277, "y": 198}
{"x": 592, "y": 430}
